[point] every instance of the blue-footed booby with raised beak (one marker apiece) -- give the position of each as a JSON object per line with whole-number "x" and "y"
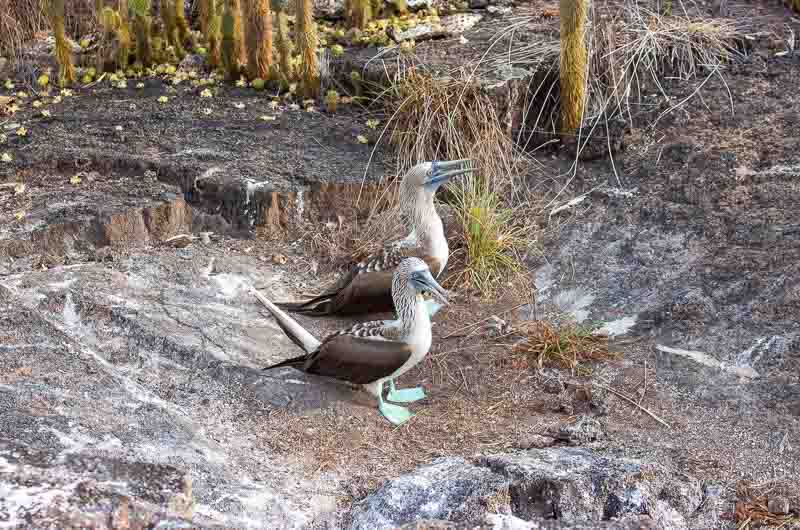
{"x": 367, "y": 286}
{"x": 372, "y": 353}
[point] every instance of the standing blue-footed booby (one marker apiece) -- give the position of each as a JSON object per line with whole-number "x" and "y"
{"x": 368, "y": 285}
{"x": 372, "y": 353}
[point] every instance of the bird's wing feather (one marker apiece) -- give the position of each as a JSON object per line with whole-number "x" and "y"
{"x": 357, "y": 359}
{"x": 375, "y": 329}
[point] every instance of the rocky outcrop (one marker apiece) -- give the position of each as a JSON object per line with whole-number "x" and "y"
{"x": 557, "y": 487}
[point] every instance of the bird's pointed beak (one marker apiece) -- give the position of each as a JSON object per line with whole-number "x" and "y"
{"x": 443, "y": 171}
{"x": 426, "y": 282}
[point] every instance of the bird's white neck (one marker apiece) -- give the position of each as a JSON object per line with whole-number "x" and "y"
{"x": 425, "y": 225}
{"x": 412, "y": 315}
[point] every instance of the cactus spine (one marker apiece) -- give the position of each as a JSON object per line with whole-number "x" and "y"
{"x": 66, "y": 70}
{"x": 232, "y": 48}
{"x": 282, "y": 40}
{"x": 259, "y": 39}
{"x": 574, "y": 57}
{"x": 307, "y": 46}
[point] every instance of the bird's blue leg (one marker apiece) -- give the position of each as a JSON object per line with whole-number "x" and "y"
{"x": 432, "y": 307}
{"x": 404, "y": 395}
{"x": 394, "y": 413}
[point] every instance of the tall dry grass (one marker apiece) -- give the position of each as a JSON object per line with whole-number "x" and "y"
{"x": 21, "y": 20}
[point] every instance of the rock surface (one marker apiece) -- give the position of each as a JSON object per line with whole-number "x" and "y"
{"x": 140, "y": 364}
{"x": 699, "y": 249}
{"x": 565, "y": 487}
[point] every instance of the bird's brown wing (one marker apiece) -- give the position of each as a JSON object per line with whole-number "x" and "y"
{"x": 358, "y": 360}
{"x": 371, "y": 291}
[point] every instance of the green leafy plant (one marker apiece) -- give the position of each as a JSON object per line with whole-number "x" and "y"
{"x": 491, "y": 238}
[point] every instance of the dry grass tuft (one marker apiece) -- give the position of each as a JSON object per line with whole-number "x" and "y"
{"x": 752, "y": 508}
{"x": 653, "y": 47}
{"x": 448, "y": 118}
{"x": 569, "y": 346}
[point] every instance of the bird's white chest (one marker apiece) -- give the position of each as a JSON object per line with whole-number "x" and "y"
{"x": 420, "y": 338}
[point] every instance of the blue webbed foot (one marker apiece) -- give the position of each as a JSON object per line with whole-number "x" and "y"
{"x": 406, "y": 395}
{"x": 395, "y": 413}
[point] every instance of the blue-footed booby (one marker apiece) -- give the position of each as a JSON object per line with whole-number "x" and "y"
{"x": 372, "y": 353}
{"x": 367, "y": 286}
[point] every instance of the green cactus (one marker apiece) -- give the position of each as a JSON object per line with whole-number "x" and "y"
{"x": 259, "y": 38}
{"x": 331, "y": 101}
{"x": 144, "y": 51}
{"x": 282, "y": 40}
{"x": 139, "y": 7}
{"x": 184, "y": 34}
{"x": 306, "y": 31}
{"x": 355, "y": 78}
{"x": 213, "y": 34}
{"x": 231, "y": 44}
{"x": 171, "y": 27}
{"x": 66, "y": 68}
{"x": 114, "y": 25}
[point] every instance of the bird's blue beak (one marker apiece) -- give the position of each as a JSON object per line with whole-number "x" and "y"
{"x": 442, "y": 172}
{"x": 424, "y": 282}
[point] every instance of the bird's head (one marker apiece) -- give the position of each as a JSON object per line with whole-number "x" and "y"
{"x": 428, "y": 176}
{"x": 414, "y": 273}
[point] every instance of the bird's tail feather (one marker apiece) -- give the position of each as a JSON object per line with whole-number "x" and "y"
{"x": 298, "y": 307}
{"x": 293, "y": 330}
{"x": 293, "y": 362}
{"x": 306, "y": 309}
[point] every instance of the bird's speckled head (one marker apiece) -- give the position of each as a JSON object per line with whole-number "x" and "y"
{"x": 428, "y": 176}
{"x": 413, "y": 274}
